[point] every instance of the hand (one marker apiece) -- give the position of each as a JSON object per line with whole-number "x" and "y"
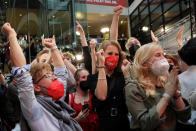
{"x": 125, "y": 68}
{"x": 154, "y": 38}
{"x": 118, "y": 10}
{"x": 100, "y": 57}
{"x": 179, "y": 37}
{"x": 7, "y": 30}
{"x": 93, "y": 44}
{"x": 82, "y": 115}
{"x": 49, "y": 42}
{"x": 79, "y": 27}
{"x": 172, "y": 84}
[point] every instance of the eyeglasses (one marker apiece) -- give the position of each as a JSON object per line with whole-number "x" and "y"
{"x": 47, "y": 75}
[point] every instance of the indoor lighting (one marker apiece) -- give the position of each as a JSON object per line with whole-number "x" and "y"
{"x": 77, "y": 33}
{"x": 79, "y": 57}
{"x": 145, "y": 28}
{"x": 104, "y": 30}
{"x": 79, "y": 15}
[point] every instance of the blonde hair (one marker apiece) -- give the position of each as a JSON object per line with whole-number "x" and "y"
{"x": 129, "y": 40}
{"x": 37, "y": 68}
{"x": 141, "y": 72}
{"x": 68, "y": 54}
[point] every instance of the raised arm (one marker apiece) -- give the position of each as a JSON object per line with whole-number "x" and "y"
{"x": 93, "y": 55}
{"x": 101, "y": 88}
{"x": 55, "y": 53}
{"x": 114, "y": 26}
{"x": 82, "y": 34}
{"x": 16, "y": 54}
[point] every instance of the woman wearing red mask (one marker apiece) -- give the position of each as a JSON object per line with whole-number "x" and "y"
{"x": 80, "y": 101}
{"x": 107, "y": 88}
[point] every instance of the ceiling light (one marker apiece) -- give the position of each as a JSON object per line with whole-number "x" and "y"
{"x": 145, "y": 28}
{"x": 121, "y": 21}
{"x": 79, "y": 15}
{"x": 79, "y": 57}
{"x": 53, "y": 16}
{"x": 77, "y": 33}
{"x": 105, "y": 29}
{"x": 20, "y": 15}
{"x": 5, "y": 2}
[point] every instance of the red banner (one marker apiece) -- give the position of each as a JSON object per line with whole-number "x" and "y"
{"x": 105, "y": 2}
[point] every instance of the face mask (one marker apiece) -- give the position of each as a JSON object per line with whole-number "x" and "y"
{"x": 84, "y": 85}
{"x": 56, "y": 90}
{"x": 133, "y": 49}
{"x": 111, "y": 62}
{"x": 161, "y": 67}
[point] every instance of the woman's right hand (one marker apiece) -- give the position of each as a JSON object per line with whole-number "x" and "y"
{"x": 172, "y": 84}
{"x": 100, "y": 57}
{"x": 82, "y": 115}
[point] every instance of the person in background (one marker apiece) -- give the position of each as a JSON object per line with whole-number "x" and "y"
{"x": 41, "y": 94}
{"x": 187, "y": 79}
{"x": 153, "y": 103}
{"x": 69, "y": 56}
{"x": 81, "y": 102}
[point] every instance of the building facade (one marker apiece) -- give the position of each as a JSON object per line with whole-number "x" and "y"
{"x": 164, "y": 18}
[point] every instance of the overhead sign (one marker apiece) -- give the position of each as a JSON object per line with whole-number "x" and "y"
{"x": 105, "y": 2}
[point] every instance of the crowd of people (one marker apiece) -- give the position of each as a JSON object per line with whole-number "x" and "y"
{"x": 143, "y": 89}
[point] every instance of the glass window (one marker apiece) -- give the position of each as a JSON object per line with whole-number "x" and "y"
{"x": 157, "y": 23}
{"x": 143, "y": 5}
{"x": 172, "y": 13}
{"x": 156, "y": 13}
{"x": 154, "y": 4}
{"x": 48, "y": 17}
{"x": 144, "y": 13}
{"x": 168, "y": 5}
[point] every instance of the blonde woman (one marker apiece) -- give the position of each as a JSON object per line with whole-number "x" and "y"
{"x": 153, "y": 103}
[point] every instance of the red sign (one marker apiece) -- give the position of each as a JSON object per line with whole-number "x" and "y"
{"x": 105, "y": 2}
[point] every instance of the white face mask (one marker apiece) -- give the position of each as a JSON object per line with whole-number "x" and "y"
{"x": 160, "y": 68}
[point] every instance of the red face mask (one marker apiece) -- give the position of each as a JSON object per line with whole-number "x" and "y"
{"x": 111, "y": 62}
{"x": 56, "y": 90}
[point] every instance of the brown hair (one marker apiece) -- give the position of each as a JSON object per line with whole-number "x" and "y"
{"x": 37, "y": 68}
{"x": 168, "y": 56}
{"x": 77, "y": 74}
{"x": 41, "y": 53}
{"x": 106, "y": 43}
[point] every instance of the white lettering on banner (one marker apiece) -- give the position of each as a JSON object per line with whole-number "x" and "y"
{"x": 108, "y": 1}
{"x": 114, "y": 2}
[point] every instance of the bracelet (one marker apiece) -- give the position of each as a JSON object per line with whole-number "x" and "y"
{"x": 101, "y": 78}
{"x": 166, "y": 96}
{"x": 100, "y": 66}
{"x": 53, "y": 48}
